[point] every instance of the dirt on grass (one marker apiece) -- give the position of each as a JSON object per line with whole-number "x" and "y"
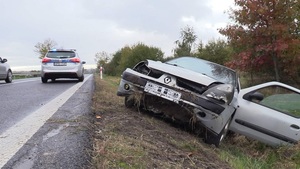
{"x": 132, "y": 138}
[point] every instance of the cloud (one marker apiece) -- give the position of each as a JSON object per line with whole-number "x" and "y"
{"x": 97, "y": 25}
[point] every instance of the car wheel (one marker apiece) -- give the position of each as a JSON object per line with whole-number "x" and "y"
{"x": 212, "y": 138}
{"x": 80, "y": 79}
{"x": 9, "y": 77}
{"x": 44, "y": 80}
{"x": 129, "y": 102}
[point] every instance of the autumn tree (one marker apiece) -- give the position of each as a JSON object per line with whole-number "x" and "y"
{"x": 186, "y": 42}
{"x": 42, "y": 47}
{"x": 265, "y": 36}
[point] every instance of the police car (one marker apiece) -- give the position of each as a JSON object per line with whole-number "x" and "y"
{"x": 62, "y": 63}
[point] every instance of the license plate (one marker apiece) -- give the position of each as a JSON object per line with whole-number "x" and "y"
{"x": 59, "y": 64}
{"x": 163, "y": 92}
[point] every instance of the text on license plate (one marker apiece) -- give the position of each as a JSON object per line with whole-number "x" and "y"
{"x": 163, "y": 92}
{"x": 60, "y": 64}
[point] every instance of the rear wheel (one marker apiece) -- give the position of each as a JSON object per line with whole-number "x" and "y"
{"x": 9, "y": 77}
{"x": 212, "y": 138}
{"x": 80, "y": 79}
{"x": 44, "y": 80}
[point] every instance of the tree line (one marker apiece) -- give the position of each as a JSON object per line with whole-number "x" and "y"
{"x": 263, "y": 40}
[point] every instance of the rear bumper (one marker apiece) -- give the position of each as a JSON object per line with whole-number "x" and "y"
{"x": 49, "y": 74}
{"x": 60, "y": 75}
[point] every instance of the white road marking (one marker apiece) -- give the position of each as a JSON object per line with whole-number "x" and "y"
{"x": 24, "y": 81}
{"x": 16, "y": 136}
{"x": 20, "y": 81}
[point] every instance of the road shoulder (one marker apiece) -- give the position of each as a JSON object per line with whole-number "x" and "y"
{"x": 64, "y": 141}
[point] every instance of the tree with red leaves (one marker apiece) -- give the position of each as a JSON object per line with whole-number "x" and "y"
{"x": 266, "y": 37}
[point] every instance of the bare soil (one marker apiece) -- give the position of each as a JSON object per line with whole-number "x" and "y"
{"x": 133, "y": 138}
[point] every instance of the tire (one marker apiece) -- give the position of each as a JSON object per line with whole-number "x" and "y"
{"x": 80, "y": 79}
{"x": 44, "y": 80}
{"x": 212, "y": 138}
{"x": 129, "y": 102}
{"x": 9, "y": 77}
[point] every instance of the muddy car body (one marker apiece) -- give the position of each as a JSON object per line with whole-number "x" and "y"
{"x": 196, "y": 91}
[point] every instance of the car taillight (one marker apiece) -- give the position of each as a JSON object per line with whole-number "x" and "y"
{"x": 46, "y": 60}
{"x": 76, "y": 60}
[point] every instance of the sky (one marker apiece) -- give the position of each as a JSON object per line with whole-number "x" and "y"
{"x": 92, "y": 26}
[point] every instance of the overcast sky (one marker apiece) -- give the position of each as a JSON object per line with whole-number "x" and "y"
{"x": 93, "y": 26}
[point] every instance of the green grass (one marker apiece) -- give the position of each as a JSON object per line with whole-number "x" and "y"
{"x": 243, "y": 153}
{"x": 239, "y": 160}
{"x": 118, "y": 151}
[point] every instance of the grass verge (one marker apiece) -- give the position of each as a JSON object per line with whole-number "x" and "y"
{"x": 128, "y": 138}
{"x": 242, "y": 152}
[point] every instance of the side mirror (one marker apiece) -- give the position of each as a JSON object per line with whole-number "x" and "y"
{"x": 254, "y": 96}
{"x": 4, "y": 60}
{"x": 83, "y": 62}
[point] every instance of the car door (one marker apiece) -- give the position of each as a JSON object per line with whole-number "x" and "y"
{"x": 269, "y": 113}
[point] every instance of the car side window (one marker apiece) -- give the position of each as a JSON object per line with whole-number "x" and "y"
{"x": 279, "y": 98}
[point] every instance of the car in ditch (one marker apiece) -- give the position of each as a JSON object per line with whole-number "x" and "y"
{"x": 5, "y": 71}
{"x": 197, "y": 91}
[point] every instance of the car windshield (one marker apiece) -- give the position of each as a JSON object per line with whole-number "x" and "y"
{"x": 60, "y": 54}
{"x": 213, "y": 70}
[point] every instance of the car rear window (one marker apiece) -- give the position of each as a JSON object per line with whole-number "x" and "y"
{"x": 60, "y": 54}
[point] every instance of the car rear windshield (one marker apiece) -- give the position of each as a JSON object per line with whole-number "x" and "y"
{"x": 60, "y": 54}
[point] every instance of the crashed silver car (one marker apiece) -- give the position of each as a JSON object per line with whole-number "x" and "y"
{"x": 198, "y": 91}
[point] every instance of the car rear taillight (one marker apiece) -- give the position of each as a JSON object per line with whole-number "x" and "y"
{"x": 75, "y": 60}
{"x": 46, "y": 60}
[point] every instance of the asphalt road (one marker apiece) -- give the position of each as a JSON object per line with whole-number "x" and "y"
{"x": 45, "y": 125}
